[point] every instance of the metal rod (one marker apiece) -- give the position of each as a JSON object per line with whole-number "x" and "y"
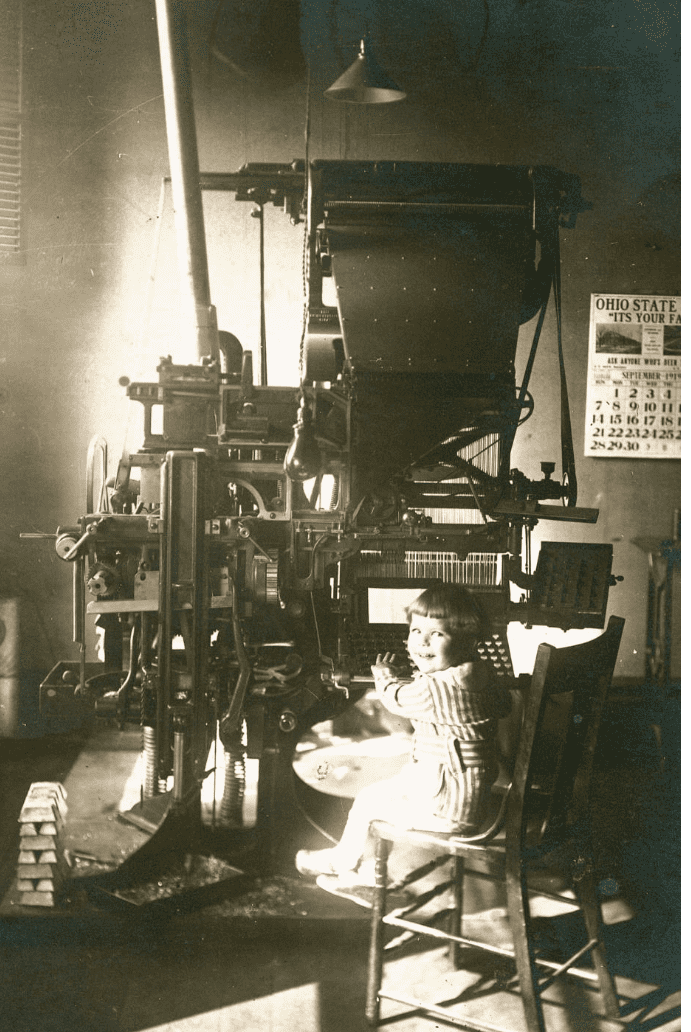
{"x": 78, "y": 620}
{"x": 184, "y": 172}
{"x": 179, "y": 745}
{"x": 263, "y": 369}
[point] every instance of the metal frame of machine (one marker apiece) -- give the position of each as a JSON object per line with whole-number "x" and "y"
{"x": 223, "y": 561}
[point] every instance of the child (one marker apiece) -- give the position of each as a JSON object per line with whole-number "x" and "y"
{"x": 454, "y": 706}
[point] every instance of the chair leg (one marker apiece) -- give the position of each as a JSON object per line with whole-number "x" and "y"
{"x": 456, "y": 916}
{"x": 519, "y": 918}
{"x": 376, "y": 947}
{"x": 587, "y": 897}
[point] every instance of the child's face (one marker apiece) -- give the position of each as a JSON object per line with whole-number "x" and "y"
{"x": 433, "y": 645}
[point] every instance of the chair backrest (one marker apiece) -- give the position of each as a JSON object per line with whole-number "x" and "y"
{"x": 559, "y": 736}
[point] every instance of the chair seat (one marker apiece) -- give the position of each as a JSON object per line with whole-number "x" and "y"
{"x": 548, "y": 874}
{"x": 449, "y": 843}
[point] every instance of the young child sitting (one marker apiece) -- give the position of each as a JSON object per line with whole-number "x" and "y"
{"x": 453, "y": 704}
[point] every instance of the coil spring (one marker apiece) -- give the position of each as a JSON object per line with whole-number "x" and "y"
{"x": 233, "y": 784}
{"x": 152, "y": 784}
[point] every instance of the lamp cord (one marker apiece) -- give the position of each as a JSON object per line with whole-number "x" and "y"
{"x": 483, "y": 39}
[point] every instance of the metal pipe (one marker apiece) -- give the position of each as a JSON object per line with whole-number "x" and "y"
{"x": 179, "y": 747}
{"x": 78, "y": 617}
{"x": 184, "y": 172}
{"x": 263, "y": 370}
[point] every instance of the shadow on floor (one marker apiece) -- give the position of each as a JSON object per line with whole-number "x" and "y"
{"x": 275, "y": 976}
{"x": 205, "y": 972}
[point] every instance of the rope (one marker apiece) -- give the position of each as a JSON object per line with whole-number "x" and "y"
{"x": 568, "y": 460}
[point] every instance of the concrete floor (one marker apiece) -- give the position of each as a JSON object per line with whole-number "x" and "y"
{"x": 298, "y": 964}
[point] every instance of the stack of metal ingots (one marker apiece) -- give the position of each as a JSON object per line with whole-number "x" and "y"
{"x": 41, "y": 866}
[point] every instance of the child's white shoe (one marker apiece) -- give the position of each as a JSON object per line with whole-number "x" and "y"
{"x": 313, "y": 862}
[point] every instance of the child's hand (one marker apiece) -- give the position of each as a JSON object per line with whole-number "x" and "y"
{"x": 385, "y": 668}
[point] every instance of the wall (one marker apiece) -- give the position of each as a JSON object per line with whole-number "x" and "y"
{"x": 591, "y": 88}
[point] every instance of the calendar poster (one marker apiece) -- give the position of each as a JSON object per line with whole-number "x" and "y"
{"x": 633, "y": 402}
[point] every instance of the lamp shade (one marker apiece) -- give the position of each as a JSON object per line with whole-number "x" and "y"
{"x": 365, "y": 82}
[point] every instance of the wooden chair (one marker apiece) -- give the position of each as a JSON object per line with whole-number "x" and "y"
{"x": 546, "y": 824}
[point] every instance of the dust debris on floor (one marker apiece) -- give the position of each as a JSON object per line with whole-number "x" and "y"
{"x": 193, "y": 872}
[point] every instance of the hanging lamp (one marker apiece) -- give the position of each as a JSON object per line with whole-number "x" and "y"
{"x": 365, "y": 82}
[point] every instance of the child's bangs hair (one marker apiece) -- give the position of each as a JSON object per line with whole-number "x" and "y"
{"x": 453, "y": 604}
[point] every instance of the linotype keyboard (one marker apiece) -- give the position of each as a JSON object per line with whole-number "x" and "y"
{"x": 365, "y": 646}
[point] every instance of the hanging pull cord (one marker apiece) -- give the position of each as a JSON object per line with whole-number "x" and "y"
{"x": 522, "y": 395}
{"x": 568, "y": 459}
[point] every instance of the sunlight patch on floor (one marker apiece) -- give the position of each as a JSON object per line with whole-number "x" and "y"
{"x": 285, "y": 1011}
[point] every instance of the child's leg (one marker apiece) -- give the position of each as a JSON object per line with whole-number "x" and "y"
{"x": 378, "y": 801}
{"x": 384, "y": 800}
{"x": 409, "y": 800}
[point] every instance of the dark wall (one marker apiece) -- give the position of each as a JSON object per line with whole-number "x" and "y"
{"x": 587, "y": 86}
